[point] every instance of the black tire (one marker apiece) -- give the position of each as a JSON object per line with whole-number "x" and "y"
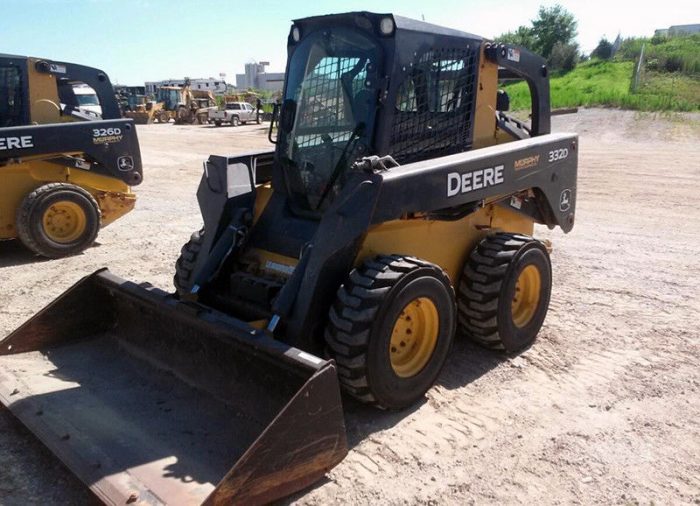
{"x": 185, "y": 263}
{"x": 488, "y": 287}
{"x": 235, "y": 121}
{"x": 30, "y": 220}
{"x": 361, "y": 321}
{"x": 217, "y": 123}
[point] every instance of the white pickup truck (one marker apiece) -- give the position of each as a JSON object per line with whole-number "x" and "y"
{"x": 235, "y": 113}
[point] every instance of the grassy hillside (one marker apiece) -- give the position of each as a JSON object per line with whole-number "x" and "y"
{"x": 675, "y": 54}
{"x": 670, "y": 79}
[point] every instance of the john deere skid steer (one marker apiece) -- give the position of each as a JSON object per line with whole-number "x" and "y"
{"x": 65, "y": 168}
{"x": 395, "y": 212}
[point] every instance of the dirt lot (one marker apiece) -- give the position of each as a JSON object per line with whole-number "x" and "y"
{"x": 604, "y": 408}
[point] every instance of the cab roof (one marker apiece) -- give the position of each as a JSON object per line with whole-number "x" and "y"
{"x": 401, "y": 23}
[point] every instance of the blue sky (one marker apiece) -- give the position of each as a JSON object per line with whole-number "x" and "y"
{"x": 139, "y": 40}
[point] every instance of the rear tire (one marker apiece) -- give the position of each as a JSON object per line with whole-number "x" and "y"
{"x": 186, "y": 262}
{"x": 391, "y": 329}
{"x": 504, "y": 292}
{"x": 235, "y": 121}
{"x": 58, "y": 220}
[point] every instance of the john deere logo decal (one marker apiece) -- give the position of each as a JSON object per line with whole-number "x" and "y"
{"x": 565, "y": 200}
{"x": 125, "y": 163}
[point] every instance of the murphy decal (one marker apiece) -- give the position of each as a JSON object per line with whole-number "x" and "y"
{"x": 475, "y": 180}
{"x": 527, "y": 162}
{"x": 23, "y": 142}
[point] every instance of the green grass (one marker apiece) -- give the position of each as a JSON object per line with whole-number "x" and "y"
{"x": 666, "y": 92}
{"x": 674, "y": 54}
{"x": 607, "y": 84}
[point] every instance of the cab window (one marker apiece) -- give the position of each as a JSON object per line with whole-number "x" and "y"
{"x": 79, "y": 100}
{"x": 11, "y": 99}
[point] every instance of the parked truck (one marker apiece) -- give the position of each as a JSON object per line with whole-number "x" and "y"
{"x": 235, "y": 113}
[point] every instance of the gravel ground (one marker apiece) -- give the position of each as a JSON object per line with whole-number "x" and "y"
{"x": 604, "y": 408}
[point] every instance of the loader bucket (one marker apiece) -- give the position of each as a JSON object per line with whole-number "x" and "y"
{"x": 150, "y": 400}
{"x": 140, "y": 117}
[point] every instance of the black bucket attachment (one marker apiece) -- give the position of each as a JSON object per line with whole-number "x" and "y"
{"x": 150, "y": 400}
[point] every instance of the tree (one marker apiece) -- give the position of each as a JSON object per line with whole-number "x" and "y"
{"x": 564, "y": 57}
{"x": 523, "y": 36}
{"x": 603, "y": 50}
{"x": 552, "y": 26}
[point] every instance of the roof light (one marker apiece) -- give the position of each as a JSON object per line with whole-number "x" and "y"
{"x": 386, "y": 26}
{"x": 296, "y": 34}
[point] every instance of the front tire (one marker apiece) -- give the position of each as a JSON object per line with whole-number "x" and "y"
{"x": 185, "y": 264}
{"x": 391, "y": 329}
{"x": 58, "y": 220}
{"x": 504, "y": 292}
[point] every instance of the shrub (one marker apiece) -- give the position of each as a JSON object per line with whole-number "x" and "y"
{"x": 564, "y": 57}
{"x": 603, "y": 50}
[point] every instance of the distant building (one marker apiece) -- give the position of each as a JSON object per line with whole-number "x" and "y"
{"x": 675, "y": 30}
{"x": 256, "y": 77}
{"x": 217, "y": 86}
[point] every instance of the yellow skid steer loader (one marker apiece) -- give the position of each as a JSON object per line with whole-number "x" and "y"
{"x": 67, "y": 158}
{"x": 395, "y": 212}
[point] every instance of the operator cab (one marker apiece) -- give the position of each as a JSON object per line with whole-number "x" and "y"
{"x": 363, "y": 84}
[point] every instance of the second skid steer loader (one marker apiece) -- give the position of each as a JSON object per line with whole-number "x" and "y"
{"x": 67, "y": 158}
{"x": 396, "y": 211}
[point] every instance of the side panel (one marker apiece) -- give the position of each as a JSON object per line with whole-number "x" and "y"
{"x": 546, "y": 164}
{"x": 110, "y": 147}
{"x": 444, "y": 243}
{"x": 18, "y": 180}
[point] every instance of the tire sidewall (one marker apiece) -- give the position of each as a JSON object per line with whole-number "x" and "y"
{"x": 391, "y": 390}
{"x": 183, "y": 273}
{"x": 513, "y": 338}
{"x": 92, "y": 225}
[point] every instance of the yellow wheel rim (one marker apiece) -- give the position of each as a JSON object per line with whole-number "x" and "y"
{"x": 414, "y": 337}
{"x": 64, "y": 221}
{"x": 527, "y": 296}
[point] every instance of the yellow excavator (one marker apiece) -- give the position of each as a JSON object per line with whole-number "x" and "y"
{"x": 66, "y": 167}
{"x": 395, "y": 212}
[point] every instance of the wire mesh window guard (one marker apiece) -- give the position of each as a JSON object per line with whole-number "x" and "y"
{"x": 434, "y": 106}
